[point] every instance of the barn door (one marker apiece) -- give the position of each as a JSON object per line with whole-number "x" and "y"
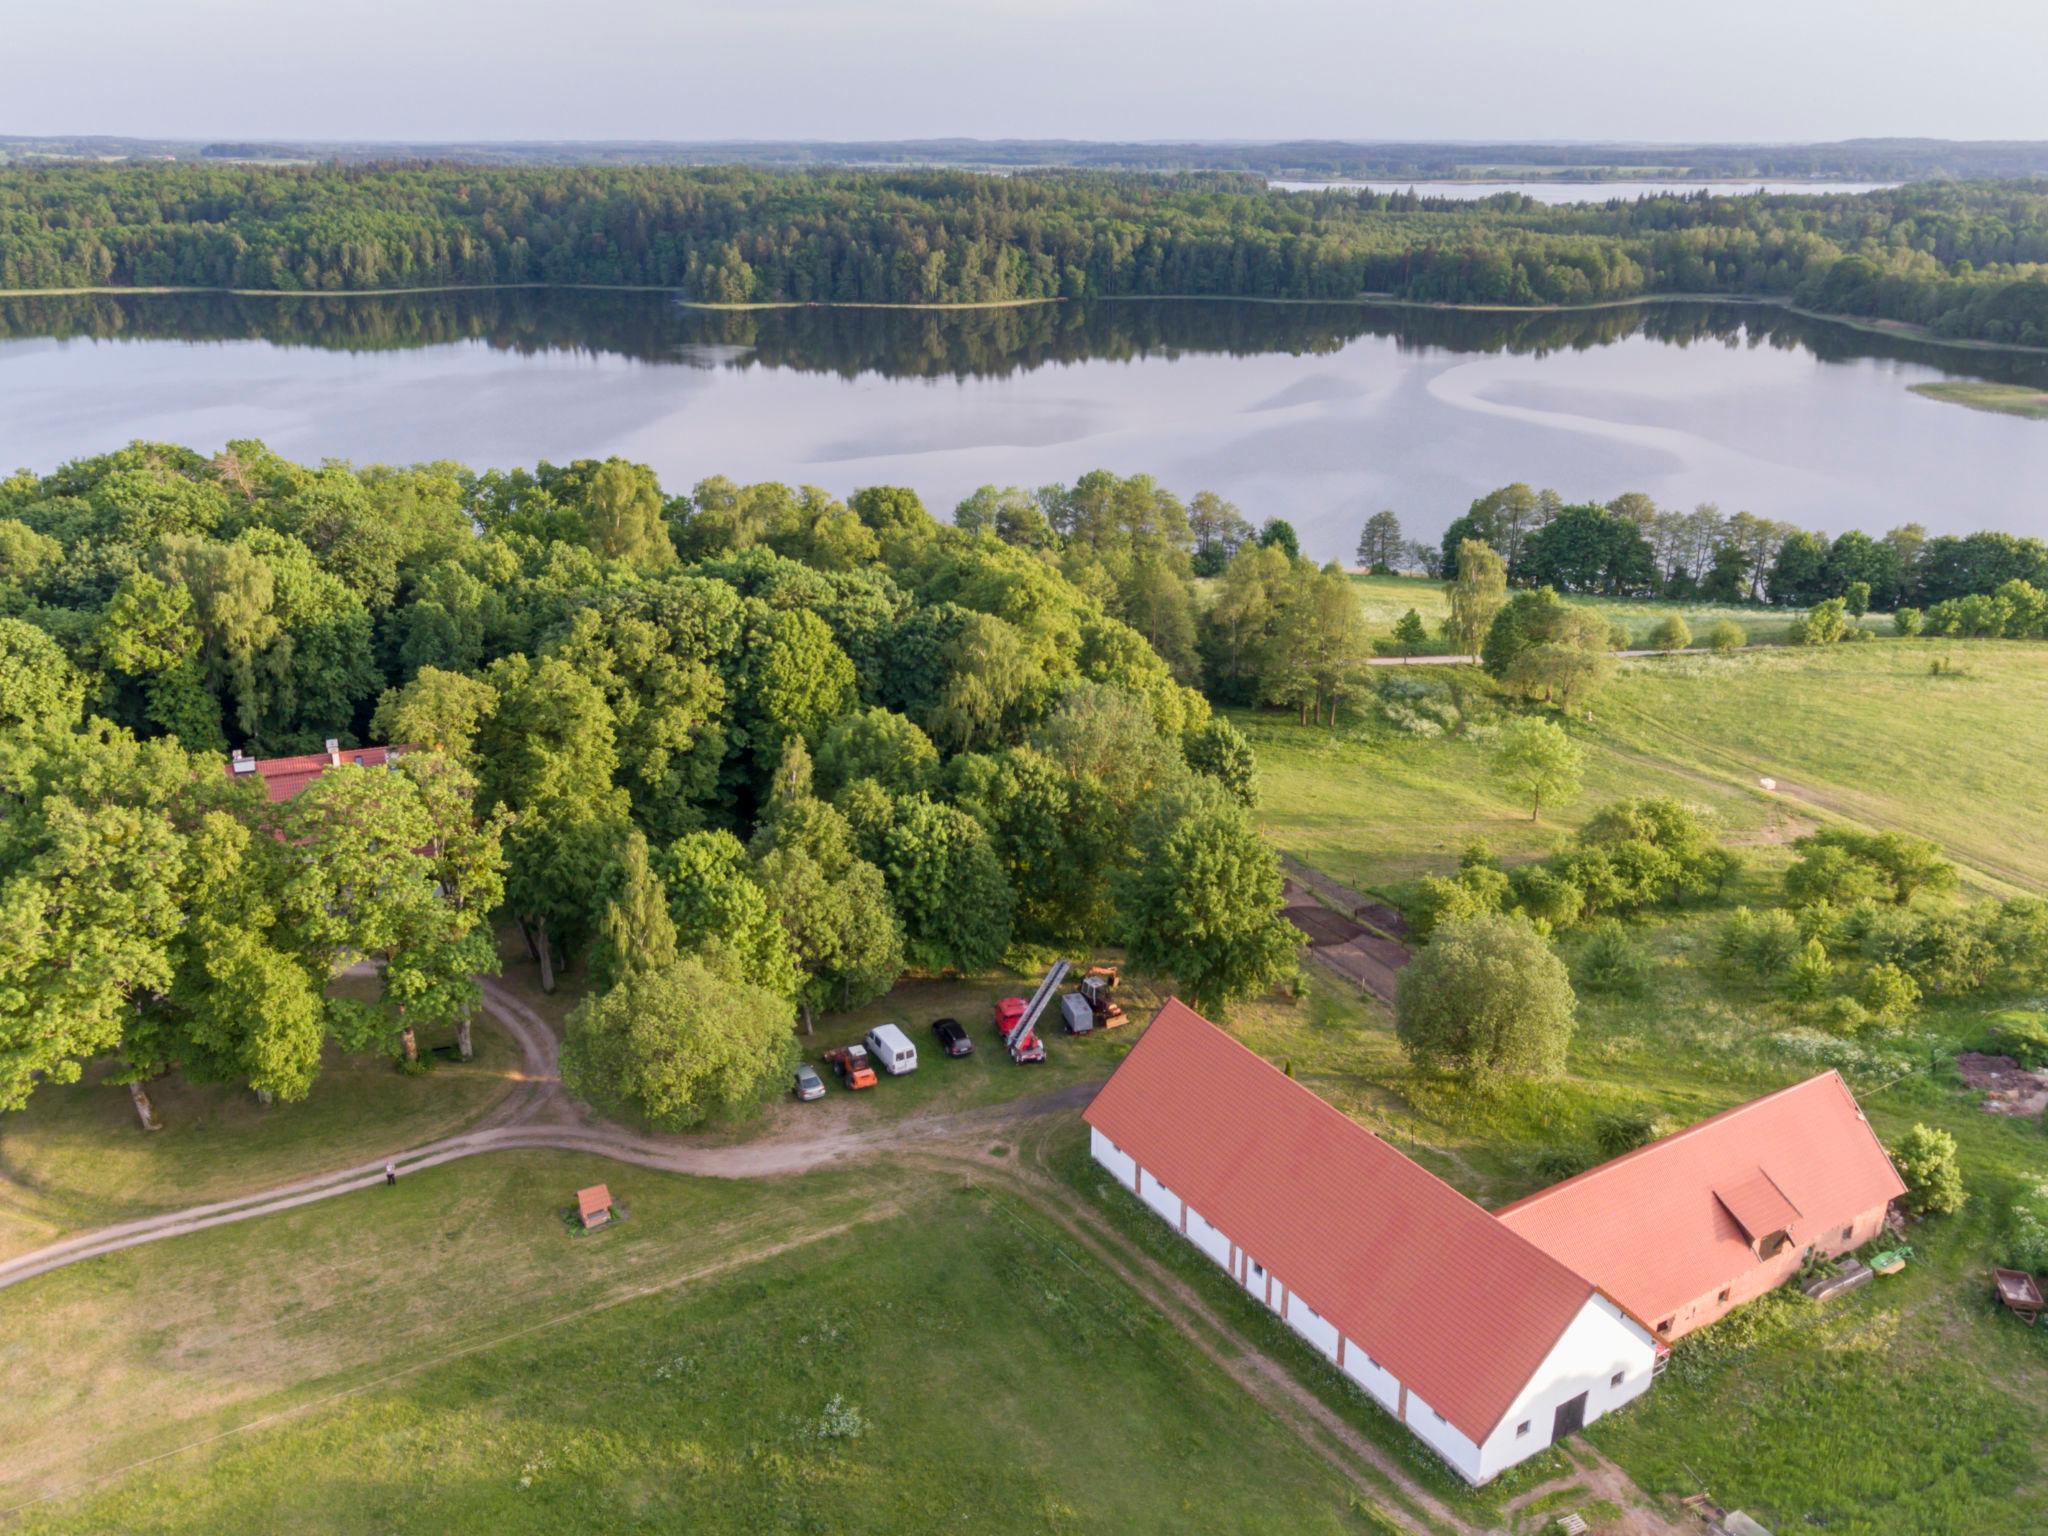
{"x": 1571, "y": 1418}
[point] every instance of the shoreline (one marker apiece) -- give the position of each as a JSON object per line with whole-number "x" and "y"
{"x": 1897, "y": 330}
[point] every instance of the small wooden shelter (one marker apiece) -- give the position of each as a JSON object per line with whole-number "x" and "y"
{"x": 594, "y": 1206}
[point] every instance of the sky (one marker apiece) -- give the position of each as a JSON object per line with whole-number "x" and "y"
{"x": 1743, "y": 70}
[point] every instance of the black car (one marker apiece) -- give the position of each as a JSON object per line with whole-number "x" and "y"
{"x": 952, "y": 1038}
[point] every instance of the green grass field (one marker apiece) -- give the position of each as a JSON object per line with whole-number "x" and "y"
{"x": 1385, "y": 598}
{"x": 951, "y": 1364}
{"x": 1863, "y": 732}
{"x": 75, "y": 1157}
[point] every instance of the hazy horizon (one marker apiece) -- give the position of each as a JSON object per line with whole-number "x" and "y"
{"x": 1136, "y": 71}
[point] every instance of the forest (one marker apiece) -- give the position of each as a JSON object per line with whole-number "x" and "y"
{"x": 1965, "y": 260}
{"x": 748, "y": 753}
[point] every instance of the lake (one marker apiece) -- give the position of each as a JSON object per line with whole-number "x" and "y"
{"x": 1560, "y": 192}
{"x": 1320, "y": 413}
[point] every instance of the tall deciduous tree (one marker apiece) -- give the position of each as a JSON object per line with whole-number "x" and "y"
{"x": 1537, "y": 761}
{"x": 1203, "y": 901}
{"x": 1487, "y": 998}
{"x": 678, "y": 1044}
{"x": 1476, "y": 594}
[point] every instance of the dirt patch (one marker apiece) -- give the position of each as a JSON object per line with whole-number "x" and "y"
{"x": 2008, "y": 1087}
{"x": 1366, "y": 959}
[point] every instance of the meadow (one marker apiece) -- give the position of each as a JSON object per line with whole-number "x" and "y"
{"x": 1383, "y": 599}
{"x": 447, "y": 1355}
{"x": 844, "y": 1352}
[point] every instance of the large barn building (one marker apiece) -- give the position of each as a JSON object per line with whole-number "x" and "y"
{"x": 1685, "y": 1228}
{"x": 1490, "y": 1335}
{"x": 1486, "y": 1347}
{"x": 283, "y": 777}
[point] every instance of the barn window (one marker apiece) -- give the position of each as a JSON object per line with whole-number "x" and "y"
{"x": 1258, "y": 1269}
{"x": 1665, "y": 1326}
{"x": 1615, "y": 1379}
{"x": 1848, "y": 1232}
{"x": 1724, "y": 1294}
{"x": 1521, "y": 1429}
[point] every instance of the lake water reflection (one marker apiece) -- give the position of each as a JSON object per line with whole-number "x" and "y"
{"x": 1318, "y": 413}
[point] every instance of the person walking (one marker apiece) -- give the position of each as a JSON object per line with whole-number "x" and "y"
{"x": 391, "y": 1173}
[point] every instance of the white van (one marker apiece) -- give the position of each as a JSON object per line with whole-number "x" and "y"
{"x": 891, "y": 1049}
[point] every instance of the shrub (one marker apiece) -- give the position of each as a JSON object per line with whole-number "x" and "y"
{"x": 1439, "y": 900}
{"x": 1890, "y": 994}
{"x": 1487, "y": 997}
{"x": 1843, "y": 1016}
{"x": 1856, "y": 598}
{"x": 1811, "y": 972}
{"x": 1824, "y": 624}
{"x": 1726, "y": 635}
{"x": 1774, "y": 943}
{"x": 1612, "y": 961}
{"x": 1926, "y": 1160}
{"x": 1618, "y": 637}
{"x": 2021, "y": 1034}
{"x": 2023, "y": 1244}
{"x": 1547, "y": 898}
{"x": 1670, "y": 634}
{"x": 1908, "y": 622}
{"x": 1625, "y": 1130}
{"x": 1737, "y": 935}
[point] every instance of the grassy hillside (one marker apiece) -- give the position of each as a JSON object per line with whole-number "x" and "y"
{"x": 1866, "y": 732}
{"x": 1385, "y": 598}
{"x": 952, "y": 1365}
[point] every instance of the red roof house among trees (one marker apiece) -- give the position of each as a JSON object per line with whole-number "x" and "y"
{"x": 1687, "y": 1227}
{"x": 284, "y": 777}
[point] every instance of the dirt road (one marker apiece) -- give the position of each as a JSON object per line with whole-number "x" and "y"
{"x": 538, "y": 1113}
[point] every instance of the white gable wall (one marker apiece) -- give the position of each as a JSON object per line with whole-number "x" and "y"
{"x": 1374, "y": 1377}
{"x": 1601, "y": 1343}
{"x": 1208, "y": 1239}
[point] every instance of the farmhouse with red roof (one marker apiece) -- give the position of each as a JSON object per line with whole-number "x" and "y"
{"x": 1491, "y": 1336}
{"x": 1485, "y": 1346}
{"x": 284, "y": 777}
{"x": 1688, "y": 1227}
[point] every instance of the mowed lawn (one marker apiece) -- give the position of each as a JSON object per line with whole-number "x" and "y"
{"x": 735, "y": 1357}
{"x": 1865, "y": 732}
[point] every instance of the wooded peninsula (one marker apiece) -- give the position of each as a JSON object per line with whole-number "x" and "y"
{"x": 1964, "y": 260}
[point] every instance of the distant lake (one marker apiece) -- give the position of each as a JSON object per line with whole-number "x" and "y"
{"x": 1580, "y": 191}
{"x": 1321, "y": 413}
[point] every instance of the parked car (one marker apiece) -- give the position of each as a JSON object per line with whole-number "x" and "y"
{"x": 851, "y": 1063}
{"x": 952, "y": 1038}
{"x": 808, "y": 1084}
{"x": 891, "y": 1049}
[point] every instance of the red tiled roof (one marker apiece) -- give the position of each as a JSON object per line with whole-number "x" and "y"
{"x": 1457, "y": 1306}
{"x": 284, "y": 777}
{"x": 1665, "y": 1224}
{"x": 589, "y": 1202}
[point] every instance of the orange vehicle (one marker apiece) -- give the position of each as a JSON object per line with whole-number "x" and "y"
{"x": 1096, "y": 985}
{"x": 852, "y": 1064}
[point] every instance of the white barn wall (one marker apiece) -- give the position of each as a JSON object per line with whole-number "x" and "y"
{"x": 1208, "y": 1239}
{"x": 1160, "y": 1198}
{"x": 1311, "y": 1325}
{"x": 1439, "y": 1435}
{"x": 1374, "y": 1377}
{"x": 1111, "y": 1156}
{"x": 1601, "y": 1342}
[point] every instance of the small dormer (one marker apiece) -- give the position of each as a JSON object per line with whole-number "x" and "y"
{"x": 1760, "y": 1209}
